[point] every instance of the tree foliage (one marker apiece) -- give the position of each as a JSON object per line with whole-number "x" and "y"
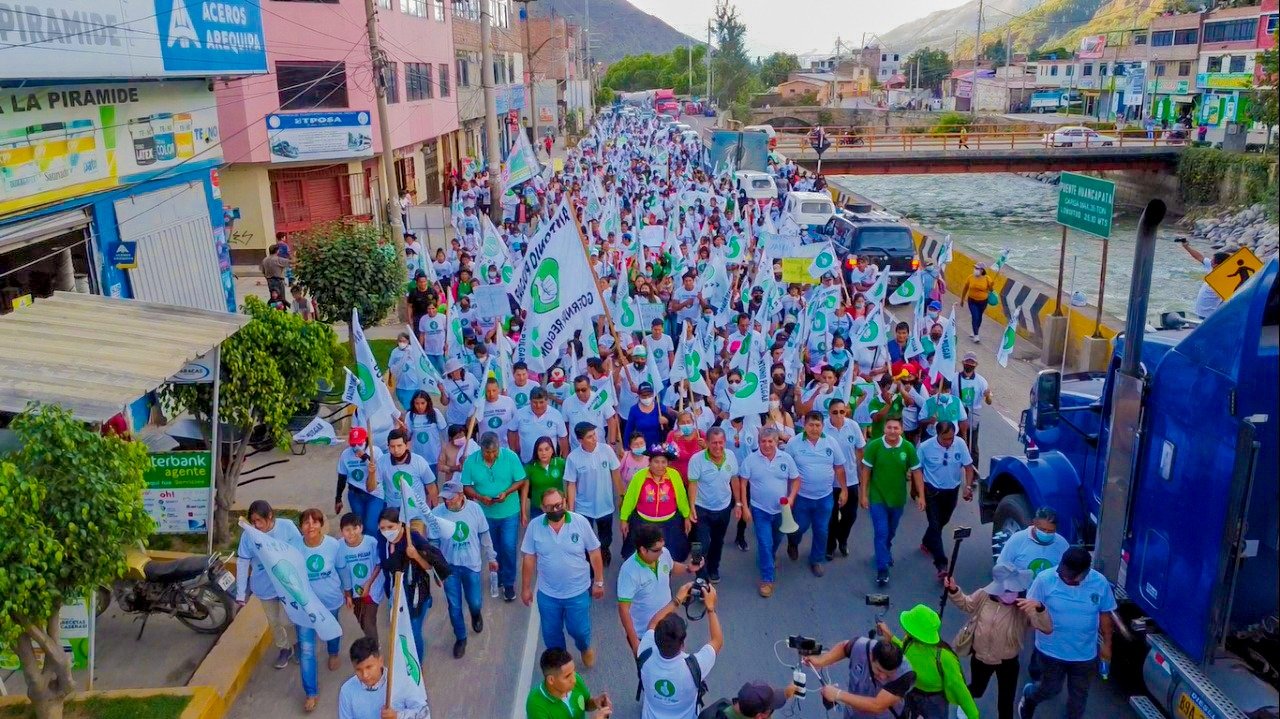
{"x": 733, "y": 75}
{"x": 650, "y": 72}
{"x": 604, "y": 96}
{"x": 775, "y": 68}
{"x": 271, "y": 369}
{"x": 1263, "y": 105}
{"x": 70, "y": 501}
{"x": 935, "y": 66}
{"x": 996, "y": 52}
{"x": 343, "y": 265}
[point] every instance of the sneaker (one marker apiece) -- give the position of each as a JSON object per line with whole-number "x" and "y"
{"x": 588, "y": 658}
{"x": 459, "y": 648}
{"x": 741, "y": 544}
{"x": 508, "y": 594}
{"x": 714, "y": 577}
{"x": 1022, "y": 702}
{"x": 977, "y": 340}
{"x": 477, "y": 623}
{"x": 793, "y": 551}
{"x": 830, "y": 556}
{"x": 844, "y": 550}
{"x": 817, "y": 570}
{"x": 766, "y": 589}
{"x": 882, "y": 577}
{"x": 282, "y": 659}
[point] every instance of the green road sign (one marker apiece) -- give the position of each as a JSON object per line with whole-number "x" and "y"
{"x": 1086, "y": 203}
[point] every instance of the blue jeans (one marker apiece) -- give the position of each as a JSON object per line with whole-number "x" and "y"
{"x": 367, "y": 507}
{"x": 559, "y": 615}
{"x": 307, "y": 656}
{"x": 884, "y": 522}
{"x": 461, "y": 582}
{"x": 416, "y": 620}
{"x": 768, "y": 529}
{"x": 504, "y": 533}
{"x": 815, "y": 513}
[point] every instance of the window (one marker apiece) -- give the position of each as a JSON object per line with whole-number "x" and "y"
{"x": 1190, "y": 36}
{"x": 1271, "y": 23}
{"x": 1087, "y": 69}
{"x": 1071, "y": 70}
{"x": 1215, "y": 63}
{"x": 1237, "y": 63}
{"x": 895, "y": 57}
{"x": 308, "y": 85}
{"x": 1184, "y": 69}
{"x": 1162, "y": 38}
{"x": 417, "y": 8}
{"x": 1231, "y": 30}
{"x": 1160, "y": 68}
{"x": 1139, "y": 38}
{"x": 1053, "y": 71}
{"x": 511, "y": 69}
{"x": 439, "y": 8}
{"x": 464, "y": 71}
{"x": 444, "y": 80}
{"x": 417, "y": 81}
{"x": 1102, "y": 69}
{"x": 391, "y": 82}
{"x": 467, "y": 9}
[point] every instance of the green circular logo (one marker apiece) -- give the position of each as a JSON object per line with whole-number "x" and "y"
{"x": 360, "y": 571}
{"x": 495, "y": 422}
{"x": 365, "y": 382}
{"x": 546, "y": 286}
{"x": 315, "y": 564}
{"x": 665, "y": 688}
{"x": 357, "y": 475}
{"x": 1039, "y": 565}
{"x": 750, "y": 384}
{"x": 461, "y": 532}
{"x": 422, "y": 437}
{"x": 403, "y": 480}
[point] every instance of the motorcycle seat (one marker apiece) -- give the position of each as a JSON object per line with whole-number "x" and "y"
{"x": 177, "y": 570}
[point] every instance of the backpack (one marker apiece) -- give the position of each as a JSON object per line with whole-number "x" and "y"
{"x": 695, "y": 671}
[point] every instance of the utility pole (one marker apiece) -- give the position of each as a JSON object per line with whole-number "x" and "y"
{"x": 689, "y": 50}
{"x": 973, "y": 81}
{"x": 708, "y": 59}
{"x": 1008, "y": 46}
{"x": 528, "y": 67}
{"x": 385, "y": 166}
{"x": 494, "y": 154}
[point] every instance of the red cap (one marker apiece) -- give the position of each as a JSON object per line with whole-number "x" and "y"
{"x": 357, "y": 436}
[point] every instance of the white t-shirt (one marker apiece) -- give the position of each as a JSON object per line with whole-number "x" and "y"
{"x": 499, "y": 417}
{"x": 971, "y": 392}
{"x": 563, "y": 569}
{"x": 531, "y": 426}
{"x": 521, "y": 394}
{"x": 356, "y": 470}
{"x": 596, "y": 411}
{"x": 667, "y": 689}
{"x": 644, "y": 589}
{"x": 592, "y": 475}
{"x": 714, "y": 489}
{"x": 415, "y": 474}
{"x": 1023, "y": 552}
{"x": 432, "y": 331}
{"x": 1206, "y": 299}
{"x": 944, "y": 466}
{"x": 660, "y": 351}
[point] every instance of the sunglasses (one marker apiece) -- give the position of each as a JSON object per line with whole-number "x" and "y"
{"x": 553, "y": 508}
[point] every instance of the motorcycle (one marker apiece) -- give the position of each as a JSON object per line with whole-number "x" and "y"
{"x": 193, "y": 590}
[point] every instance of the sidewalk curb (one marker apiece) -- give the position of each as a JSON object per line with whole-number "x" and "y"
{"x": 228, "y": 666}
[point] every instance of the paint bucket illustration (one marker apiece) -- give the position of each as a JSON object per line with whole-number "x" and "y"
{"x": 19, "y": 174}
{"x": 82, "y": 151}
{"x": 162, "y": 126}
{"x": 144, "y": 141}
{"x": 50, "y": 142}
{"x": 184, "y": 135}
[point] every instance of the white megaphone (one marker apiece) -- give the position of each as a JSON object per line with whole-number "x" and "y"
{"x": 789, "y": 525}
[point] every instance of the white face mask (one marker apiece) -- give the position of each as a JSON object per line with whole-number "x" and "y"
{"x": 646, "y": 401}
{"x": 775, "y": 404}
{"x": 404, "y": 345}
{"x": 390, "y": 534}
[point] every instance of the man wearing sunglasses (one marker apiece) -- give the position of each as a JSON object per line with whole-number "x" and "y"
{"x": 947, "y": 465}
{"x": 1080, "y": 601}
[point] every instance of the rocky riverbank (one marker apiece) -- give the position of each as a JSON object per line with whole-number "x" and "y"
{"x": 1249, "y": 227}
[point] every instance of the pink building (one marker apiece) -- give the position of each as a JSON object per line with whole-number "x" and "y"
{"x": 302, "y": 141}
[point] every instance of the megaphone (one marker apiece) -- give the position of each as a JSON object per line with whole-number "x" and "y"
{"x": 789, "y": 525}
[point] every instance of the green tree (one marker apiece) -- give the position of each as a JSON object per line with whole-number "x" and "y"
{"x": 70, "y": 502}
{"x": 271, "y": 370}
{"x": 1263, "y": 105}
{"x": 733, "y": 74}
{"x": 996, "y": 52}
{"x": 604, "y": 96}
{"x": 935, "y": 66}
{"x": 1054, "y": 53}
{"x": 775, "y": 68}
{"x": 343, "y": 265}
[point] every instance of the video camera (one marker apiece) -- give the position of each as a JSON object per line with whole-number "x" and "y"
{"x": 881, "y": 603}
{"x": 697, "y": 592}
{"x": 804, "y": 646}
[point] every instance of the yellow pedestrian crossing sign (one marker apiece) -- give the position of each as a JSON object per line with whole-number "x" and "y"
{"x": 1230, "y": 276}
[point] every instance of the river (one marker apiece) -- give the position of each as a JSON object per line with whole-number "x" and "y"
{"x": 988, "y": 212}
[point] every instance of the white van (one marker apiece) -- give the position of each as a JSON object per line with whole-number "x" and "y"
{"x": 809, "y": 209}
{"x": 757, "y": 185}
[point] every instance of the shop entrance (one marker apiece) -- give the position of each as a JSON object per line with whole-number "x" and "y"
{"x": 48, "y": 254}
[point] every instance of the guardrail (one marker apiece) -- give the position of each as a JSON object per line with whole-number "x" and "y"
{"x": 907, "y": 141}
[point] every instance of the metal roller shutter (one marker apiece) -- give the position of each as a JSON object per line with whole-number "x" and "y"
{"x": 177, "y": 259}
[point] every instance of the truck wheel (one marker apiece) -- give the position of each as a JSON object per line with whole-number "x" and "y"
{"x": 1013, "y": 514}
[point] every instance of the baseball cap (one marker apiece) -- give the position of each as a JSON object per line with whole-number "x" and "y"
{"x": 357, "y": 436}
{"x": 935, "y": 305}
{"x": 450, "y": 489}
{"x": 970, "y": 356}
{"x": 639, "y": 351}
{"x": 756, "y": 697}
{"x": 645, "y": 388}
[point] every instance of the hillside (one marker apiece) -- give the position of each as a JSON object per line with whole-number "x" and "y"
{"x": 1038, "y": 25}
{"x": 619, "y": 28}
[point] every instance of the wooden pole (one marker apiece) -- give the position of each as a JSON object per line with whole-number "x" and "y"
{"x": 391, "y": 652}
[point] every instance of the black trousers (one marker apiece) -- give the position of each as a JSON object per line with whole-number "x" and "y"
{"x": 1006, "y": 673}
{"x": 710, "y": 531}
{"x": 603, "y": 527}
{"x": 1053, "y": 674}
{"x": 842, "y": 519}
{"x": 939, "y": 504}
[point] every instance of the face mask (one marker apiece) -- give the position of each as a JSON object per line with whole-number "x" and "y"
{"x": 733, "y": 386}
{"x": 390, "y": 534}
{"x": 404, "y": 345}
{"x": 638, "y": 451}
{"x": 838, "y": 352}
{"x": 933, "y": 315}
{"x": 646, "y": 402}
{"x": 555, "y": 516}
{"x": 1042, "y": 538}
{"x": 778, "y": 379}
{"x": 459, "y": 442}
{"x": 775, "y": 404}
{"x": 686, "y": 429}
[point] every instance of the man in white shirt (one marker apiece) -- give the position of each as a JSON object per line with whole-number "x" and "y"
{"x": 591, "y": 407}
{"x": 773, "y": 477}
{"x": 1207, "y": 300}
{"x": 819, "y": 458}
{"x": 974, "y": 391}
{"x": 672, "y": 680}
{"x": 539, "y": 419}
{"x": 716, "y": 493}
{"x": 499, "y": 412}
{"x": 592, "y": 483}
{"x": 644, "y": 581}
{"x": 849, "y": 435}
{"x": 661, "y": 350}
{"x": 522, "y": 386}
{"x": 947, "y": 466}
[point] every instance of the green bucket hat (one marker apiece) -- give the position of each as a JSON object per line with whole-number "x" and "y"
{"x": 922, "y": 623}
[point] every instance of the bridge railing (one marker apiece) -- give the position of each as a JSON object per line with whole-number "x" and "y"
{"x": 894, "y": 141}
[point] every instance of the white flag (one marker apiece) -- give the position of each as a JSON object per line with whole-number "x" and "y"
{"x": 1007, "y": 339}
{"x": 317, "y": 431}
{"x": 823, "y": 262}
{"x": 288, "y": 573}
{"x": 753, "y": 396}
{"x": 910, "y": 290}
{"x": 428, "y": 376}
{"x": 375, "y": 397}
{"x": 408, "y": 688}
{"x": 1001, "y": 260}
{"x": 561, "y": 295}
{"x": 944, "y": 359}
{"x": 689, "y": 364}
{"x": 880, "y": 289}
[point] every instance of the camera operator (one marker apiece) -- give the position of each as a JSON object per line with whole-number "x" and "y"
{"x": 644, "y": 580}
{"x": 879, "y": 678}
{"x": 672, "y": 680}
{"x": 755, "y": 700}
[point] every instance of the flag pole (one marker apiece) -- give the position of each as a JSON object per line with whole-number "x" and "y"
{"x": 595, "y": 279}
{"x": 391, "y": 653}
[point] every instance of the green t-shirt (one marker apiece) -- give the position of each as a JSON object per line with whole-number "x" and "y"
{"x": 926, "y": 660}
{"x": 492, "y": 481}
{"x": 542, "y": 705}
{"x": 877, "y": 404}
{"x": 540, "y": 479}
{"x": 889, "y": 466}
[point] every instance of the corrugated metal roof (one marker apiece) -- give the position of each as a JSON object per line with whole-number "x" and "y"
{"x": 96, "y": 355}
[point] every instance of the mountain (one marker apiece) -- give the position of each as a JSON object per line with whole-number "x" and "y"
{"x": 619, "y": 28}
{"x": 1028, "y": 24}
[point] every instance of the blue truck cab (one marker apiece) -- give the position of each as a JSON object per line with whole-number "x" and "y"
{"x": 1166, "y": 467}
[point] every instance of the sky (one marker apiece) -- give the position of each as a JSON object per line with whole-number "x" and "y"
{"x": 797, "y": 26}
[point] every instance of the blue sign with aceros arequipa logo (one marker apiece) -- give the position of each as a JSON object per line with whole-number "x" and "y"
{"x": 213, "y": 36}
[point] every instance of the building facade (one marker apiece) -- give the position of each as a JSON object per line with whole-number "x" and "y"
{"x": 1225, "y": 69}
{"x": 562, "y": 73}
{"x": 110, "y": 148}
{"x": 301, "y": 142}
{"x": 471, "y": 143}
